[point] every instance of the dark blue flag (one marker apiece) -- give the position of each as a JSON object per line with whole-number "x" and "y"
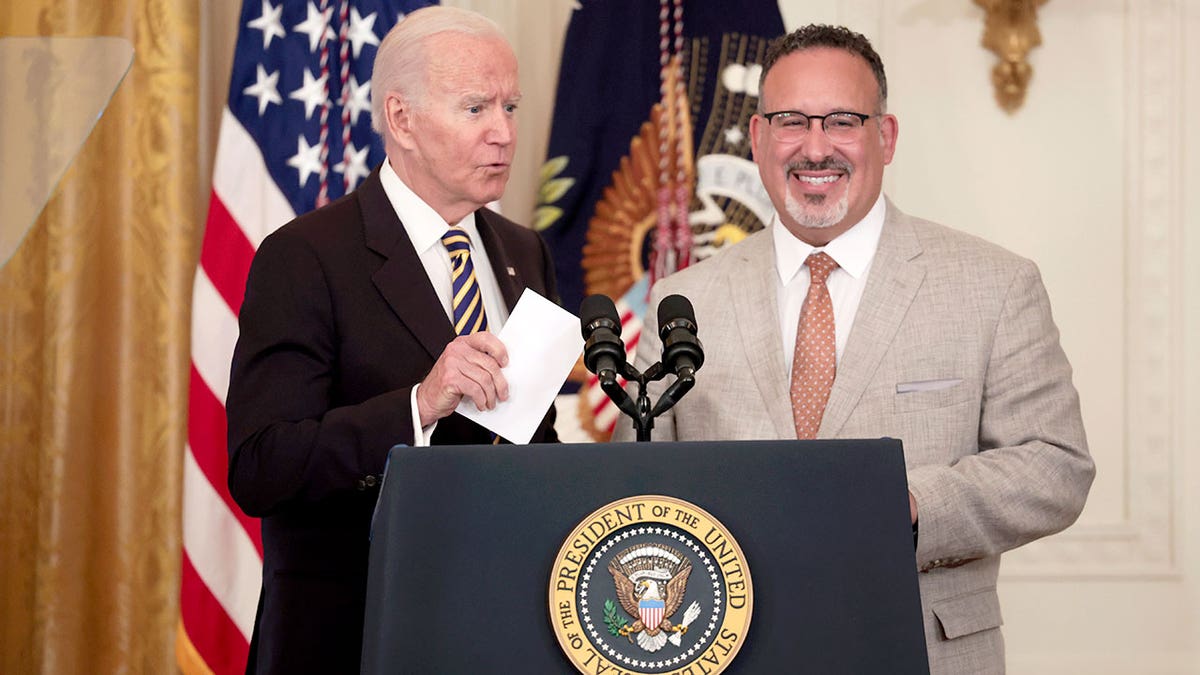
{"x": 614, "y": 166}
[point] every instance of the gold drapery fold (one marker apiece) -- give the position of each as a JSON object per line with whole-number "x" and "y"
{"x": 94, "y": 310}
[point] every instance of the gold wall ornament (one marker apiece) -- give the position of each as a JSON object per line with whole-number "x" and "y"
{"x": 1011, "y": 31}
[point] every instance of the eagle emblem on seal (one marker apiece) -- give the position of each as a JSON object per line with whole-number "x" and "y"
{"x": 651, "y": 581}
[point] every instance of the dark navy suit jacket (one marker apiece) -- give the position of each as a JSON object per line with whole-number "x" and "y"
{"x": 338, "y": 323}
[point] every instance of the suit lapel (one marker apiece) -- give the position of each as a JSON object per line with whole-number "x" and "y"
{"x": 891, "y": 288}
{"x": 503, "y": 268}
{"x": 753, "y": 275}
{"x": 401, "y": 279}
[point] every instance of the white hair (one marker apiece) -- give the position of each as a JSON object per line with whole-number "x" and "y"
{"x": 403, "y": 58}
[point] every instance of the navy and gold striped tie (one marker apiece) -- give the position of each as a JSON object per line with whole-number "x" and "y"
{"x": 466, "y": 299}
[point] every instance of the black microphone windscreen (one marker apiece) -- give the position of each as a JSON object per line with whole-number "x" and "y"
{"x": 596, "y": 307}
{"x": 675, "y": 307}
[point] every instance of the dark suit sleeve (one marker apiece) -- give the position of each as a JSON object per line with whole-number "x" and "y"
{"x": 290, "y": 438}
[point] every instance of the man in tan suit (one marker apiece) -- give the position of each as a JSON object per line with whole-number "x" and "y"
{"x": 893, "y": 326}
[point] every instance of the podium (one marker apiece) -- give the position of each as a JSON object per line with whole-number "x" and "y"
{"x": 465, "y": 541}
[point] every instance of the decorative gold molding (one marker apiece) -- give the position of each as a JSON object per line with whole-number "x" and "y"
{"x": 1011, "y": 31}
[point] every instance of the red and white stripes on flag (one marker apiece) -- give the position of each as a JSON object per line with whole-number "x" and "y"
{"x": 222, "y": 547}
{"x": 295, "y": 134}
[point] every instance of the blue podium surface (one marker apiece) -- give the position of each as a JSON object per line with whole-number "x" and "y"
{"x": 466, "y": 543}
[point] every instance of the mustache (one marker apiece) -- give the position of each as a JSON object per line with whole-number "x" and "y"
{"x": 827, "y": 164}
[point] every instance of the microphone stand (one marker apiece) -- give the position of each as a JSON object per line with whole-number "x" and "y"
{"x": 641, "y": 412}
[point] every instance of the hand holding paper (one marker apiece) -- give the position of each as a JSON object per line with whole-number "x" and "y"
{"x": 543, "y": 343}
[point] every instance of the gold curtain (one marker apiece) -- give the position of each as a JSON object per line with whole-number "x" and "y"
{"x": 94, "y": 310}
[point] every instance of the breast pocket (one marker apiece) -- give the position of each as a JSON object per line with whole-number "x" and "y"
{"x": 930, "y": 393}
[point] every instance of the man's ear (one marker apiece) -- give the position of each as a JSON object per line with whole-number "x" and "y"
{"x": 889, "y": 131}
{"x": 758, "y": 125}
{"x": 398, "y": 114}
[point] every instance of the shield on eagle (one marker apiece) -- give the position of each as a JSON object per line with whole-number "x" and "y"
{"x": 651, "y": 611}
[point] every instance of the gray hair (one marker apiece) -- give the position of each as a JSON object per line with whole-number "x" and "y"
{"x": 403, "y": 57}
{"x": 834, "y": 37}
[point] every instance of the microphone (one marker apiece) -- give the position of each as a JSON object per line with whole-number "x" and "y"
{"x": 603, "y": 350}
{"x": 682, "y": 351}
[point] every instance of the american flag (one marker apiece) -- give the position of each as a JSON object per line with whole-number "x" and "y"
{"x": 295, "y": 134}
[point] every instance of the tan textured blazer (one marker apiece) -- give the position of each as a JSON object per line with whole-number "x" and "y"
{"x": 954, "y": 352}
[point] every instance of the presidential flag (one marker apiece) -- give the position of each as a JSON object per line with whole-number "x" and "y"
{"x": 295, "y": 134}
{"x": 648, "y": 167}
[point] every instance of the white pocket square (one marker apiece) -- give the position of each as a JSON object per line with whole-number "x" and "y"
{"x": 926, "y": 385}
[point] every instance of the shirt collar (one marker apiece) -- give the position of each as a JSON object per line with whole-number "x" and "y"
{"x": 423, "y": 225}
{"x": 853, "y": 249}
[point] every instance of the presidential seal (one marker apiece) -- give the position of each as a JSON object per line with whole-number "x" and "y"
{"x": 650, "y": 584}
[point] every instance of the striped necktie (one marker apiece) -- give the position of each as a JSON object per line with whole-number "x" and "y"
{"x": 466, "y": 299}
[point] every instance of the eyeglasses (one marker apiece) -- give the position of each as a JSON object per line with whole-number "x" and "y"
{"x": 791, "y": 125}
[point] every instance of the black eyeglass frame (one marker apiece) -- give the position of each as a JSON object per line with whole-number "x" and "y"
{"x": 771, "y": 115}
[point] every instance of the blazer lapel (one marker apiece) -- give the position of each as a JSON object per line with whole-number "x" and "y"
{"x": 752, "y": 276}
{"x": 401, "y": 279}
{"x": 893, "y": 283}
{"x": 507, "y": 274}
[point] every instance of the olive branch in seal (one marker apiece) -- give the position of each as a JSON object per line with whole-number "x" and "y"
{"x": 612, "y": 618}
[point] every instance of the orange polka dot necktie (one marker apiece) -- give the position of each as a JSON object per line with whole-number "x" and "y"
{"x": 815, "y": 360}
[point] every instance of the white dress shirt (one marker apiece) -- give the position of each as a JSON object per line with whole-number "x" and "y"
{"x": 425, "y": 229}
{"x": 853, "y": 250}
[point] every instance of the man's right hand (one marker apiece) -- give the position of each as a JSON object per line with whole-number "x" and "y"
{"x": 469, "y": 367}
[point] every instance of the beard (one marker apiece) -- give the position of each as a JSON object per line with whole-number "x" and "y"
{"x": 816, "y": 212}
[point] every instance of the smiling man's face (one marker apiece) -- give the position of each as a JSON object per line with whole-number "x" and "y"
{"x": 821, "y": 188}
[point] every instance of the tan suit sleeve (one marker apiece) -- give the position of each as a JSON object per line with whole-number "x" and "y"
{"x": 1033, "y": 471}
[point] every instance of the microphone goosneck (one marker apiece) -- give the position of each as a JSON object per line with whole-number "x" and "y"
{"x": 604, "y": 355}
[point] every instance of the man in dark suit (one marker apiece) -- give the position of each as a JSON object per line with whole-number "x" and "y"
{"x": 366, "y": 322}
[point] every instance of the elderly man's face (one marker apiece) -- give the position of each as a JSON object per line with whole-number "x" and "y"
{"x": 462, "y": 131}
{"x": 819, "y": 187}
